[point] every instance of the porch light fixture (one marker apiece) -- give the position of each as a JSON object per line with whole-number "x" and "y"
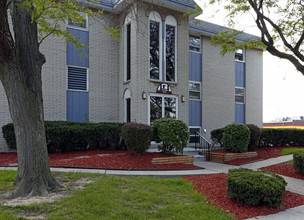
{"x": 144, "y": 95}
{"x": 183, "y": 98}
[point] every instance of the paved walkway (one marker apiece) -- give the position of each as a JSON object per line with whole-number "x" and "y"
{"x": 294, "y": 185}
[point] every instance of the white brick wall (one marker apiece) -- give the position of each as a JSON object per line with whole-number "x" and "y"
{"x": 254, "y": 87}
{"x": 103, "y": 74}
{"x": 217, "y": 87}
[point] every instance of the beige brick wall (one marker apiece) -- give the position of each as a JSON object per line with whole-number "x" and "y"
{"x": 217, "y": 87}
{"x": 140, "y": 81}
{"x": 103, "y": 73}
{"x": 254, "y": 87}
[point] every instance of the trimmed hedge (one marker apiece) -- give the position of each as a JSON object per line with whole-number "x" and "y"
{"x": 217, "y": 136}
{"x": 298, "y": 161}
{"x": 255, "y": 135}
{"x": 236, "y": 138}
{"x": 173, "y": 135}
{"x": 65, "y": 136}
{"x": 282, "y": 137}
{"x": 137, "y": 137}
{"x": 255, "y": 187}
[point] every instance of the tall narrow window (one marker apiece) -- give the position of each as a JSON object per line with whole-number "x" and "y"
{"x": 170, "y": 53}
{"x": 128, "y": 75}
{"x": 170, "y": 48}
{"x": 154, "y": 50}
{"x": 127, "y": 106}
{"x": 128, "y": 109}
{"x": 194, "y": 43}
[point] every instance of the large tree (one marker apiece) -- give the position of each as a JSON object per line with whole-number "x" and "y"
{"x": 281, "y": 24}
{"x": 20, "y": 73}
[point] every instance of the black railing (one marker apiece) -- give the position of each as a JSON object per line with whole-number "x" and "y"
{"x": 203, "y": 145}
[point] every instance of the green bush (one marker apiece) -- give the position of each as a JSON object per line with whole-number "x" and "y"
{"x": 65, "y": 136}
{"x": 217, "y": 136}
{"x": 173, "y": 135}
{"x": 137, "y": 137}
{"x": 298, "y": 161}
{"x": 236, "y": 138}
{"x": 282, "y": 137}
{"x": 255, "y": 187}
{"x": 255, "y": 134}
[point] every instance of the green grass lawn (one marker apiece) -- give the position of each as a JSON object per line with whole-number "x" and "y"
{"x": 118, "y": 197}
{"x": 287, "y": 151}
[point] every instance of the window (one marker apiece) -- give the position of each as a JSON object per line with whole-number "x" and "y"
{"x": 127, "y": 106}
{"x": 239, "y": 55}
{"x": 79, "y": 24}
{"x": 194, "y": 43}
{"x": 240, "y": 95}
{"x": 162, "y": 37}
{"x": 194, "y": 90}
{"x": 162, "y": 106}
{"x": 127, "y": 48}
{"x": 194, "y": 138}
{"x": 128, "y": 36}
{"x": 77, "y": 79}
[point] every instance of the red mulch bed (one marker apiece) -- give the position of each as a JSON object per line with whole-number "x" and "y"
{"x": 214, "y": 187}
{"x": 263, "y": 153}
{"x": 285, "y": 169}
{"x": 102, "y": 159}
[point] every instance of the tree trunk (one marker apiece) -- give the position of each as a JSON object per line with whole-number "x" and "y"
{"x": 21, "y": 79}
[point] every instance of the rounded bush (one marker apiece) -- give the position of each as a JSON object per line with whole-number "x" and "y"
{"x": 173, "y": 135}
{"x": 255, "y": 187}
{"x": 137, "y": 137}
{"x": 255, "y": 134}
{"x": 236, "y": 138}
{"x": 298, "y": 161}
{"x": 217, "y": 136}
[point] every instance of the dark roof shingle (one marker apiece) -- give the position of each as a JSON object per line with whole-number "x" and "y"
{"x": 212, "y": 29}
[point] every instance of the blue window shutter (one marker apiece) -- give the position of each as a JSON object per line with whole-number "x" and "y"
{"x": 195, "y": 67}
{"x": 239, "y": 74}
{"x": 240, "y": 113}
{"x": 195, "y": 113}
{"x": 77, "y": 106}
{"x": 78, "y": 57}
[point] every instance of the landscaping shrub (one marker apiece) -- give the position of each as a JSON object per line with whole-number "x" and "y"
{"x": 137, "y": 137}
{"x": 217, "y": 136}
{"x": 65, "y": 136}
{"x": 255, "y": 134}
{"x": 298, "y": 161}
{"x": 236, "y": 138}
{"x": 282, "y": 137}
{"x": 173, "y": 135}
{"x": 255, "y": 187}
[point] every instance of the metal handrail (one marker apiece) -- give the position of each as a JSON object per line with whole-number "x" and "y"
{"x": 205, "y": 145}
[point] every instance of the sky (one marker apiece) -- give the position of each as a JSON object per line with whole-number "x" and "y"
{"x": 283, "y": 85}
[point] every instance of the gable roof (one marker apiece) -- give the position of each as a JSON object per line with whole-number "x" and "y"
{"x": 209, "y": 29}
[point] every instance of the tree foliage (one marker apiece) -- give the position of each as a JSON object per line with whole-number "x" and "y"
{"x": 281, "y": 24}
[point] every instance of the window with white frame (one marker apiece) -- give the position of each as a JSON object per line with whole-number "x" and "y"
{"x": 240, "y": 95}
{"x": 195, "y": 90}
{"x": 194, "y": 138}
{"x": 127, "y": 48}
{"x": 83, "y": 24}
{"x": 195, "y": 43}
{"x": 162, "y": 106}
{"x": 77, "y": 78}
{"x": 127, "y": 106}
{"x": 239, "y": 55}
{"x": 159, "y": 40}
